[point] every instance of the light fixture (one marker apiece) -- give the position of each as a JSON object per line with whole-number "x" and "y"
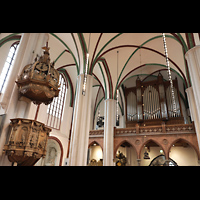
{"x": 86, "y": 70}
{"x": 169, "y": 75}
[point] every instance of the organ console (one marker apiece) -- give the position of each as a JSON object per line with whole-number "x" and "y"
{"x": 150, "y": 103}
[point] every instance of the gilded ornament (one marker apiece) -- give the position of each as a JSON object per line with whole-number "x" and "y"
{"x": 27, "y": 142}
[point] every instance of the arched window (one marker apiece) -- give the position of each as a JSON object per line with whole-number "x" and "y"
{"x": 8, "y": 66}
{"x": 55, "y": 109}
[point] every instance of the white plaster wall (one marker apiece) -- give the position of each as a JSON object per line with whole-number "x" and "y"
{"x": 184, "y": 156}
{"x": 96, "y": 153}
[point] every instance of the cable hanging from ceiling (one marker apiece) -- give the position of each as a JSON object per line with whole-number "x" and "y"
{"x": 169, "y": 75}
{"x": 86, "y": 70}
{"x": 117, "y": 102}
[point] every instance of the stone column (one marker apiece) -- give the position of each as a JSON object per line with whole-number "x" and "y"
{"x": 81, "y": 123}
{"x": 8, "y": 103}
{"x": 109, "y": 124}
{"x": 193, "y": 59}
{"x": 193, "y": 112}
{"x": 138, "y": 162}
{"x": 29, "y": 46}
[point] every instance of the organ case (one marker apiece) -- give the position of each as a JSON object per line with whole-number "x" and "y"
{"x": 150, "y": 103}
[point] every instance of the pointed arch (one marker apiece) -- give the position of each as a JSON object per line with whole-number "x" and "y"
{"x": 109, "y": 79}
{"x": 187, "y": 141}
{"x": 120, "y": 143}
{"x": 149, "y": 140}
{"x": 181, "y": 74}
{"x": 61, "y": 147}
{"x": 94, "y": 142}
{"x": 77, "y": 66}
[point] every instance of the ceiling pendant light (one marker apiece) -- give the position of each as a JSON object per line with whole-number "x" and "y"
{"x": 169, "y": 75}
{"x": 86, "y": 70}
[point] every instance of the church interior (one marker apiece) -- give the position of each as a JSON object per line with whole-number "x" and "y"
{"x": 99, "y": 99}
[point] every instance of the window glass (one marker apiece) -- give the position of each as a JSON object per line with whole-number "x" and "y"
{"x": 55, "y": 109}
{"x": 4, "y": 77}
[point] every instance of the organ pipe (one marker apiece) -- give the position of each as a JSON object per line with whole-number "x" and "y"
{"x": 152, "y": 100}
{"x": 163, "y": 104}
{"x": 151, "y": 103}
{"x": 139, "y": 100}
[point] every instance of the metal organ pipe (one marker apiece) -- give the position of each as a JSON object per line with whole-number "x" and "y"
{"x": 151, "y": 103}
{"x": 131, "y": 107}
{"x": 170, "y": 103}
{"x": 139, "y": 100}
{"x": 147, "y": 102}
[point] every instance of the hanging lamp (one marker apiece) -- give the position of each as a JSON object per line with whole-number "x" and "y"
{"x": 169, "y": 75}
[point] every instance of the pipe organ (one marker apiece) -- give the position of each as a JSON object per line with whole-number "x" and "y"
{"x": 151, "y": 107}
{"x": 150, "y": 103}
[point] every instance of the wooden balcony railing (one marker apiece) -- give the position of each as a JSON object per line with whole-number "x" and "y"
{"x": 148, "y": 130}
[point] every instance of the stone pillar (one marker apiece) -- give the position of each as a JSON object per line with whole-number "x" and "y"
{"x": 193, "y": 59}
{"x": 193, "y": 112}
{"x": 109, "y": 124}
{"x": 8, "y": 103}
{"x": 22, "y": 107}
{"x": 29, "y": 46}
{"x": 81, "y": 123}
{"x": 138, "y": 162}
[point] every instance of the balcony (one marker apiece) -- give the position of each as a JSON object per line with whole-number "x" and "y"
{"x": 148, "y": 130}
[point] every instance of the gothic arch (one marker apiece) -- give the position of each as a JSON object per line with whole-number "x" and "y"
{"x": 93, "y": 142}
{"x": 146, "y": 142}
{"x": 61, "y": 148}
{"x": 120, "y": 143}
{"x": 187, "y": 141}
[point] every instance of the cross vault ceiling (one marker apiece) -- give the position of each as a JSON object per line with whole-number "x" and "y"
{"x": 139, "y": 54}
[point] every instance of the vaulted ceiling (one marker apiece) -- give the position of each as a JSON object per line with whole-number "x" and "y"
{"x": 140, "y": 54}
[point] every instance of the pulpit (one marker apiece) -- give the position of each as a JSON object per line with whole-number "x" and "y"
{"x": 28, "y": 138}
